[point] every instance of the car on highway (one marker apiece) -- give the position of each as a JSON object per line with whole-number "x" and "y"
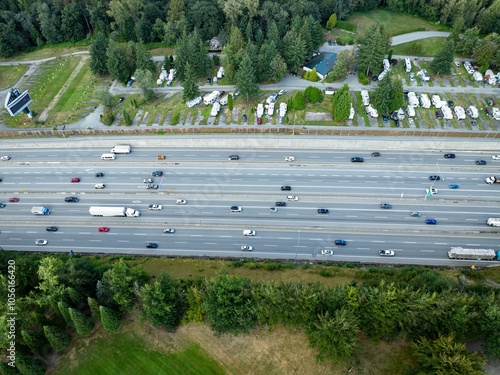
{"x": 453, "y": 186}
{"x": 431, "y": 221}
{"x": 246, "y": 248}
{"x": 2, "y": 205}
{"x": 415, "y": 214}
{"x": 99, "y": 186}
{"x": 181, "y": 201}
{"x": 1, "y": 180}
{"x": 386, "y": 253}
{"x": 432, "y": 190}
{"x": 323, "y": 210}
{"x": 235, "y": 208}
{"x": 169, "y": 230}
{"x": 157, "y": 173}
{"x": 99, "y": 174}
{"x": 280, "y": 204}
{"x": 326, "y": 252}
{"x": 155, "y": 207}
{"x": 286, "y": 188}
{"x": 51, "y": 229}
{"x": 152, "y": 187}
{"x": 386, "y": 206}
{"x": 249, "y": 232}
{"x": 340, "y": 242}
{"x": 434, "y": 178}
{"x": 75, "y": 179}
{"x": 292, "y": 197}
{"x": 71, "y": 199}
{"x": 289, "y": 158}
{"x": 152, "y": 245}
{"x": 147, "y": 180}
{"x": 495, "y": 157}
{"x": 103, "y": 229}
{"x": 357, "y": 159}
{"x": 41, "y": 242}
{"x": 5, "y": 157}
{"x": 273, "y": 209}
{"x": 480, "y": 162}
{"x": 375, "y": 154}
{"x": 449, "y": 156}
{"x": 13, "y": 200}
{"x": 233, "y": 157}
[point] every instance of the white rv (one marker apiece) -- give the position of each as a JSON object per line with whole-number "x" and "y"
{"x": 407, "y": 65}
{"x": 472, "y": 112}
{"x": 365, "y": 98}
{"x": 489, "y": 76}
{"x": 371, "y": 111}
{"x": 215, "y": 109}
{"x": 460, "y": 113}
{"x": 436, "y": 101}
{"x": 220, "y": 72}
{"x": 211, "y": 98}
{"x": 412, "y": 99}
{"x": 351, "y": 113}
{"x": 410, "y": 111}
{"x": 193, "y": 103}
{"x": 424, "y": 100}
{"x": 478, "y": 77}
{"x": 447, "y": 114}
{"x": 387, "y": 64}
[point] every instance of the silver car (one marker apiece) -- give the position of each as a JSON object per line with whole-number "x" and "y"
{"x": 41, "y": 242}
{"x": 415, "y": 214}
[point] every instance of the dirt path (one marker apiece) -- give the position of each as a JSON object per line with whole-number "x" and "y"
{"x": 63, "y": 89}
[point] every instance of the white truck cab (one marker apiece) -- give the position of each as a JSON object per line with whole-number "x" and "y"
{"x": 289, "y": 158}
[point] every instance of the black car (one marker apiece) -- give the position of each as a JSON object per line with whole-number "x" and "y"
{"x": 121, "y": 99}
{"x": 375, "y": 154}
{"x": 434, "y": 178}
{"x": 152, "y": 245}
{"x": 99, "y": 174}
{"x": 449, "y": 156}
{"x": 71, "y": 199}
{"x": 357, "y": 159}
{"x": 439, "y": 115}
{"x": 244, "y": 117}
{"x": 1, "y": 180}
{"x": 286, "y": 188}
{"x": 2, "y": 205}
{"x": 451, "y": 103}
{"x": 280, "y": 204}
{"x": 489, "y": 111}
{"x": 152, "y": 187}
{"x": 480, "y": 162}
{"x": 157, "y": 173}
{"x": 51, "y": 229}
{"x": 323, "y": 210}
{"x": 233, "y": 157}
{"x": 340, "y": 242}
{"x": 209, "y": 81}
{"x": 386, "y": 206}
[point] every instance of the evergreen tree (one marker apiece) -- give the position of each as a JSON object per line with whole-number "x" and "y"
{"x": 120, "y": 61}
{"x": 295, "y": 50}
{"x": 246, "y": 81}
{"x": 233, "y": 52}
{"x": 76, "y": 296}
{"x": 98, "y": 59}
{"x": 166, "y": 63}
{"x": 299, "y": 101}
{"x": 313, "y": 94}
{"x": 57, "y": 338}
{"x": 143, "y": 59}
{"x": 63, "y": 309}
{"x": 341, "y": 104}
{"x": 30, "y": 366}
{"x": 189, "y": 84}
{"x": 144, "y": 80}
{"x": 230, "y": 102}
{"x": 332, "y": 22}
{"x": 82, "y": 324}
{"x": 35, "y": 340}
{"x": 110, "y": 319}
{"x": 444, "y": 59}
{"x": 312, "y": 75}
{"x": 277, "y": 68}
{"x": 94, "y": 309}
{"x": 466, "y": 44}
{"x": 371, "y": 49}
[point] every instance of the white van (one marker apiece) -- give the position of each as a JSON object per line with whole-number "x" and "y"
{"x": 292, "y": 198}
{"x": 99, "y": 186}
{"x": 108, "y": 157}
{"x": 289, "y": 158}
{"x": 248, "y": 232}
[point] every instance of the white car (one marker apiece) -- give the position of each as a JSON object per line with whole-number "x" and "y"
{"x": 433, "y": 191}
{"x": 181, "y": 201}
{"x": 147, "y": 180}
{"x": 235, "y": 208}
{"x": 5, "y": 157}
{"x": 386, "y": 253}
{"x": 249, "y": 232}
{"x": 289, "y": 158}
{"x": 41, "y": 242}
{"x": 326, "y": 252}
{"x": 494, "y": 157}
{"x": 155, "y": 207}
{"x": 292, "y": 198}
{"x": 246, "y": 248}
{"x": 169, "y": 230}
{"x": 99, "y": 186}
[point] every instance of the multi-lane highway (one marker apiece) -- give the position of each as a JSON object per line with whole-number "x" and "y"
{"x": 352, "y": 192}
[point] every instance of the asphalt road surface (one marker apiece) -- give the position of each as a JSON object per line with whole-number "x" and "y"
{"x": 211, "y": 184}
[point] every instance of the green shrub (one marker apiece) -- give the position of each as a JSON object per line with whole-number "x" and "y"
{"x": 312, "y": 75}
{"x": 325, "y": 272}
{"x": 107, "y": 117}
{"x": 363, "y": 79}
{"x": 332, "y": 21}
{"x": 174, "y": 120}
{"x": 126, "y": 117}
{"x": 299, "y": 100}
{"x": 313, "y": 94}
{"x": 343, "y": 25}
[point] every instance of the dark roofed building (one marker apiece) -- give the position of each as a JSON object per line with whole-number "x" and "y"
{"x": 323, "y": 63}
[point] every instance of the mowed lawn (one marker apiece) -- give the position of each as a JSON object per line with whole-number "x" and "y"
{"x": 10, "y": 74}
{"x": 395, "y": 23}
{"x": 126, "y": 353}
{"x": 429, "y": 47}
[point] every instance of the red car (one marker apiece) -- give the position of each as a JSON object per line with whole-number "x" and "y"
{"x": 13, "y": 200}
{"x": 76, "y": 179}
{"x": 103, "y": 229}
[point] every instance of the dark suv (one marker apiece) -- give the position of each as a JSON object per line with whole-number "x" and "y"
{"x": 71, "y": 199}
{"x": 434, "y": 178}
{"x": 286, "y": 188}
{"x": 357, "y": 159}
{"x": 386, "y": 206}
{"x": 51, "y": 229}
{"x": 323, "y": 210}
{"x": 449, "y": 156}
{"x": 280, "y": 204}
{"x": 233, "y": 157}
{"x": 157, "y": 173}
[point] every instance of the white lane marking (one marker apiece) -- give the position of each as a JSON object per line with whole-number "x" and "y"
{"x": 139, "y": 234}
{"x": 196, "y": 235}
{"x": 428, "y": 251}
{"x": 472, "y": 244}
{"x": 362, "y": 248}
{"x": 472, "y": 219}
{"x": 209, "y": 243}
{"x": 440, "y": 243}
{"x": 14, "y": 238}
{"x": 315, "y": 239}
{"x": 95, "y": 240}
{"x": 123, "y": 241}
{"x": 83, "y": 232}
{"x": 300, "y": 246}
{"x": 351, "y": 216}
{"x": 68, "y": 239}
{"x": 180, "y": 242}
{"x": 29, "y": 232}
{"x": 408, "y": 242}
{"x": 378, "y": 241}
{"x": 271, "y": 245}
{"x": 284, "y": 238}
{"x": 225, "y": 236}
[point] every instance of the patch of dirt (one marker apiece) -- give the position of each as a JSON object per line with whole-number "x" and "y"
{"x": 318, "y": 116}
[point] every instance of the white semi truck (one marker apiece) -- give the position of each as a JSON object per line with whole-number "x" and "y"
{"x": 40, "y": 211}
{"x": 121, "y": 149}
{"x": 492, "y": 180}
{"x": 477, "y": 254}
{"x": 113, "y": 211}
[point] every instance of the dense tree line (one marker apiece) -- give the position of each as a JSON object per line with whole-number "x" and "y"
{"x": 60, "y": 297}
{"x": 25, "y": 24}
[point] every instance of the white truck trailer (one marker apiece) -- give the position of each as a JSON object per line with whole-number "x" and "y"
{"x": 493, "y": 222}
{"x": 121, "y": 149}
{"x": 40, "y": 211}
{"x": 475, "y": 254}
{"x": 113, "y": 211}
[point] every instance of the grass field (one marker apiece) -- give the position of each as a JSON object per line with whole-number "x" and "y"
{"x": 427, "y": 47}
{"x": 46, "y": 52}
{"x": 10, "y": 74}
{"x": 395, "y": 23}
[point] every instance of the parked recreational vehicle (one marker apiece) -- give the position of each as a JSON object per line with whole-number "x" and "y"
{"x": 407, "y": 65}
